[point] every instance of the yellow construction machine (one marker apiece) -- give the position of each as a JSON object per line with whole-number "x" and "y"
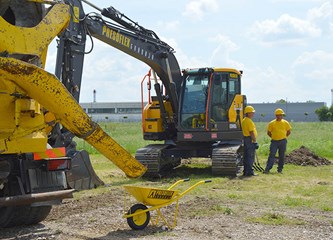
{"x": 194, "y": 112}
{"x": 39, "y": 163}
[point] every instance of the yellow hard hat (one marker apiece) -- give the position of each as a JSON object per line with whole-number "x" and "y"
{"x": 249, "y": 109}
{"x": 279, "y": 111}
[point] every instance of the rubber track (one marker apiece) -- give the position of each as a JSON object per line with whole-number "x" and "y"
{"x": 150, "y": 156}
{"x": 225, "y": 160}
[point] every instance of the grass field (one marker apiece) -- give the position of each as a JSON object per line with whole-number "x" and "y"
{"x": 315, "y": 136}
{"x": 299, "y": 187}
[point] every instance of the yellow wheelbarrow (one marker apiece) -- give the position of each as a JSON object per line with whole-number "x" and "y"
{"x": 138, "y": 216}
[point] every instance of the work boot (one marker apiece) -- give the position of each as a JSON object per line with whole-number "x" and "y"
{"x": 251, "y": 175}
{"x": 266, "y": 172}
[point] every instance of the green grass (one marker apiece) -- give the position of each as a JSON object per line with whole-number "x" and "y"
{"x": 316, "y": 136}
{"x": 298, "y": 187}
{"x": 128, "y": 135}
{"x": 275, "y": 219}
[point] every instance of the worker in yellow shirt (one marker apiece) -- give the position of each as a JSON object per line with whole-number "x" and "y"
{"x": 250, "y": 141}
{"x": 278, "y": 130}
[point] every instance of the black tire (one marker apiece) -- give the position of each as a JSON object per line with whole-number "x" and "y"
{"x": 139, "y": 221}
{"x": 13, "y": 216}
{"x": 20, "y": 215}
{"x": 37, "y": 214}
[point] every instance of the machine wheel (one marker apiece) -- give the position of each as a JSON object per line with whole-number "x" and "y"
{"x": 20, "y": 215}
{"x": 37, "y": 214}
{"x": 139, "y": 221}
{"x": 12, "y": 216}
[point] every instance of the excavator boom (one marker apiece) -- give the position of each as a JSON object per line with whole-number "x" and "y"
{"x": 48, "y": 90}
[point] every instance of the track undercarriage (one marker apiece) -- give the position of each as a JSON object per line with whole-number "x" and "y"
{"x": 162, "y": 158}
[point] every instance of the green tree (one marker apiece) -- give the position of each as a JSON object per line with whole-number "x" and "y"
{"x": 324, "y": 113}
{"x": 281, "y": 101}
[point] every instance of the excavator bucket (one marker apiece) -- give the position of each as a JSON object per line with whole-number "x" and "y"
{"x": 82, "y": 175}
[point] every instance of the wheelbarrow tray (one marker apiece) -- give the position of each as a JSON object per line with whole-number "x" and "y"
{"x": 152, "y": 196}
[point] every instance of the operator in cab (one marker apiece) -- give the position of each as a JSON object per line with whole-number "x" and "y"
{"x": 250, "y": 141}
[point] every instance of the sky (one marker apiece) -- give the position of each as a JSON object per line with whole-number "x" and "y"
{"x": 284, "y": 47}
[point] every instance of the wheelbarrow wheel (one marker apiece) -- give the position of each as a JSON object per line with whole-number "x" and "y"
{"x": 140, "y": 220}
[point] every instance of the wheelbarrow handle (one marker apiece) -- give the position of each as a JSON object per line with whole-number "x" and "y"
{"x": 192, "y": 187}
{"x": 178, "y": 182}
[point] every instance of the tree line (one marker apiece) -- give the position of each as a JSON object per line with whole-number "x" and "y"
{"x": 325, "y": 114}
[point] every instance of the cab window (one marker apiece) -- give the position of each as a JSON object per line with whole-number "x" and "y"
{"x": 194, "y": 101}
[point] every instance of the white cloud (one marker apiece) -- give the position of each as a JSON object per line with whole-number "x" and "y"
{"x": 183, "y": 59}
{"x": 286, "y": 29}
{"x": 169, "y": 26}
{"x": 225, "y": 42}
{"x": 197, "y": 9}
{"x": 221, "y": 53}
{"x": 315, "y": 65}
{"x": 320, "y": 58}
{"x": 300, "y": 1}
{"x": 324, "y": 11}
{"x": 269, "y": 85}
{"x": 305, "y": 25}
{"x": 331, "y": 29}
{"x": 292, "y": 30}
{"x": 114, "y": 75}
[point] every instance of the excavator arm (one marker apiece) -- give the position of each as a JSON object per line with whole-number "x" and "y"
{"x": 141, "y": 44}
{"x": 115, "y": 29}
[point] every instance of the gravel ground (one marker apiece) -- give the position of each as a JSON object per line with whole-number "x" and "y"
{"x": 101, "y": 218}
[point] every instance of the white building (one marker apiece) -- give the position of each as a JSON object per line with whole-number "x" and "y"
{"x": 132, "y": 111}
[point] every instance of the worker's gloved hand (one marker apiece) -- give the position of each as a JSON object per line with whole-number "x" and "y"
{"x": 256, "y": 145}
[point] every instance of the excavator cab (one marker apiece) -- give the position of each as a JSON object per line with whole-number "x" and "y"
{"x": 206, "y": 125}
{"x": 210, "y": 102}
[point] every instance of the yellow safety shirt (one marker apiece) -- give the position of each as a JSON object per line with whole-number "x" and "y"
{"x": 248, "y": 126}
{"x": 279, "y": 129}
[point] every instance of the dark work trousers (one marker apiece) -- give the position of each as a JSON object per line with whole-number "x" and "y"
{"x": 276, "y": 145}
{"x": 249, "y": 152}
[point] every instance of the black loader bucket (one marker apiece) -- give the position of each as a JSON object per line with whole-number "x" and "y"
{"x": 82, "y": 175}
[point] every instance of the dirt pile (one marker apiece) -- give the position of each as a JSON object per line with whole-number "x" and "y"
{"x": 304, "y": 157}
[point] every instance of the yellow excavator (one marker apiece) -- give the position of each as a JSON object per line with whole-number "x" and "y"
{"x": 194, "y": 112}
{"x": 39, "y": 164}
